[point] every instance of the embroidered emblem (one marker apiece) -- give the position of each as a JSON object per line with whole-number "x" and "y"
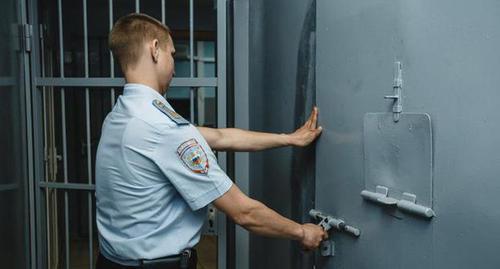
{"x": 178, "y": 119}
{"x": 193, "y": 156}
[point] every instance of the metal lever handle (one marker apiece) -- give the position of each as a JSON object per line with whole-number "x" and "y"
{"x": 407, "y": 202}
{"x": 379, "y": 196}
{"x": 354, "y": 231}
{"x": 392, "y": 97}
{"x": 328, "y": 222}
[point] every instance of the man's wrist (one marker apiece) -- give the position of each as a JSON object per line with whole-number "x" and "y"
{"x": 287, "y": 140}
{"x": 299, "y": 233}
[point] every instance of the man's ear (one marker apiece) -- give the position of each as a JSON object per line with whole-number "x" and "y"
{"x": 155, "y": 50}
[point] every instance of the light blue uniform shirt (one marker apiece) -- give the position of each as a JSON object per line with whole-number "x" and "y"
{"x": 154, "y": 179}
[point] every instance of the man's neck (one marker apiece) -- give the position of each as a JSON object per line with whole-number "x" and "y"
{"x": 129, "y": 78}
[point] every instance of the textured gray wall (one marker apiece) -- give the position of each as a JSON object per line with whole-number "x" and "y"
{"x": 281, "y": 69}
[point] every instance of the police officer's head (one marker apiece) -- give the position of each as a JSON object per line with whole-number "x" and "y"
{"x": 143, "y": 47}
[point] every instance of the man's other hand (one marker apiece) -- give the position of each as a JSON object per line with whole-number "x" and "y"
{"x": 306, "y": 134}
{"x": 313, "y": 235}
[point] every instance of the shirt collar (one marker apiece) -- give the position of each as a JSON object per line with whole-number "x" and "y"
{"x": 143, "y": 90}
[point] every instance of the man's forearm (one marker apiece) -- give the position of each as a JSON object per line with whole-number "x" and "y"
{"x": 242, "y": 140}
{"x": 265, "y": 221}
{"x": 232, "y": 139}
{"x": 256, "y": 217}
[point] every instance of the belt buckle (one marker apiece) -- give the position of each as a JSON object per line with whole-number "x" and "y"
{"x": 185, "y": 257}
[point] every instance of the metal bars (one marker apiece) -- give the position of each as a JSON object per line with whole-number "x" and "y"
{"x": 191, "y": 60}
{"x": 98, "y": 82}
{"x": 67, "y": 186}
{"x": 44, "y": 84}
{"x": 63, "y": 130}
{"x": 163, "y": 11}
{"x": 111, "y": 61}
{"x": 221, "y": 95}
{"x": 65, "y": 175}
{"x": 89, "y": 141}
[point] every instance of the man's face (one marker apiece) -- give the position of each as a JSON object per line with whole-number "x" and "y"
{"x": 166, "y": 65}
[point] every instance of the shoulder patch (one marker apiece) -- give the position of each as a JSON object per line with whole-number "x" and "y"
{"x": 193, "y": 156}
{"x": 178, "y": 119}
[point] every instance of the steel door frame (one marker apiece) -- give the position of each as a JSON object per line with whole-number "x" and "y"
{"x": 23, "y": 82}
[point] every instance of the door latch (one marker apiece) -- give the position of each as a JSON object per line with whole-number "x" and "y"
{"x": 211, "y": 224}
{"x": 397, "y": 107}
{"x": 408, "y": 201}
{"x": 327, "y": 223}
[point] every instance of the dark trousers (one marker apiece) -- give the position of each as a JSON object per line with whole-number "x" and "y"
{"x": 103, "y": 263}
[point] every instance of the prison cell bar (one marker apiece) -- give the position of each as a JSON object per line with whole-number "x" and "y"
{"x": 67, "y": 186}
{"x": 191, "y": 60}
{"x": 63, "y": 127}
{"x": 46, "y": 151}
{"x": 64, "y": 142}
{"x": 103, "y": 82}
{"x": 163, "y": 11}
{"x": 221, "y": 119}
{"x": 111, "y": 62}
{"x": 89, "y": 145}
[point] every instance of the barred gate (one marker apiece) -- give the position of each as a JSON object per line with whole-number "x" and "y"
{"x": 75, "y": 84}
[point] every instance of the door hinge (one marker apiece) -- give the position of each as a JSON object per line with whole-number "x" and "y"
{"x": 27, "y": 36}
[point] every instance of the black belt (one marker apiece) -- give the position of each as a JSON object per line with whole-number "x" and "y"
{"x": 186, "y": 260}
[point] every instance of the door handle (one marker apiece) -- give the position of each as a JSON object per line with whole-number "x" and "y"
{"x": 407, "y": 202}
{"x": 327, "y": 223}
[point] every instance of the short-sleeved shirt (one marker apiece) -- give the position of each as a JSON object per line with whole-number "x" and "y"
{"x": 154, "y": 179}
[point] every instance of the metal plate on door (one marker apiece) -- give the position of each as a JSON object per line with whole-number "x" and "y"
{"x": 398, "y": 155}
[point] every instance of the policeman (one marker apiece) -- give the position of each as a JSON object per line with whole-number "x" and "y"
{"x": 156, "y": 173}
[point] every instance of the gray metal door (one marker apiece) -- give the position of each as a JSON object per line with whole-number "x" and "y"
{"x": 439, "y": 145}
